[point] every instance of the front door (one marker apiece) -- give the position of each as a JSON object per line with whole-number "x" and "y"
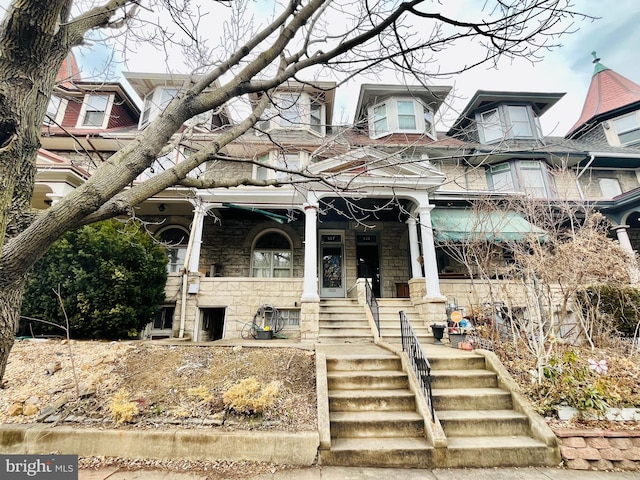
{"x": 332, "y": 264}
{"x": 369, "y": 260}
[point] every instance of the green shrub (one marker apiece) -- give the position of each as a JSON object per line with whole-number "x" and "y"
{"x": 616, "y": 306}
{"x": 111, "y": 276}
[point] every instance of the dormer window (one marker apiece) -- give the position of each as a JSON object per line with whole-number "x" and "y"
{"x": 400, "y": 115}
{"x": 155, "y": 102}
{"x": 628, "y": 129}
{"x": 508, "y": 122}
{"x": 95, "y": 110}
{"x": 55, "y": 111}
{"x": 295, "y": 111}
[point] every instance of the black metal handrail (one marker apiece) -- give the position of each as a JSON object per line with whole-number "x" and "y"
{"x": 372, "y": 301}
{"x": 421, "y": 366}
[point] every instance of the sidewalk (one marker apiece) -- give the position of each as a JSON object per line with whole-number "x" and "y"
{"x": 355, "y": 473}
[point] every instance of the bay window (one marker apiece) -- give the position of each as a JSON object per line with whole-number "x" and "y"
{"x": 400, "y": 115}
{"x": 526, "y": 176}
{"x": 508, "y": 122}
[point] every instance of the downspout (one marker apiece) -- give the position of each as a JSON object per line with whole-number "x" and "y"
{"x": 591, "y": 159}
{"x": 185, "y": 272}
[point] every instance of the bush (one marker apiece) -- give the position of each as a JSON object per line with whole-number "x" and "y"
{"x": 111, "y": 277}
{"x": 121, "y": 408}
{"x": 614, "y": 307}
{"x": 249, "y": 397}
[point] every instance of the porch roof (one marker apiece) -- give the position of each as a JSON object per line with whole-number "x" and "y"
{"x": 462, "y": 224}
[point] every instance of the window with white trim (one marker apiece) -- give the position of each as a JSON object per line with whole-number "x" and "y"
{"x": 174, "y": 239}
{"x": 95, "y": 110}
{"x": 294, "y": 111}
{"x": 628, "y": 129}
{"x": 271, "y": 256}
{"x": 402, "y": 115}
{"x": 55, "y": 111}
{"x": 279, "y": 159}
{"x": 406, "y": 115}
{"x": 155, "y": 102}
{"x": 527, "y": 176}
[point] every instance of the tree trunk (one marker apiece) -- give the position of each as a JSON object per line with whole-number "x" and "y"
{"x": 10, "y": 301}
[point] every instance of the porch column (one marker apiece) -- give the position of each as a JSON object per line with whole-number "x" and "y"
{"x": 429, "y": 252}
{"x": 414, "y": 248}
{"x": 196, "y": 237}
{"x": 623, "y": 238}
{"x": 310, "y": 286}
{"x": 625, "y": 243}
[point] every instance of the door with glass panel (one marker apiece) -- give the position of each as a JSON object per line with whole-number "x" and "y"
{"x": 332, "y": 264}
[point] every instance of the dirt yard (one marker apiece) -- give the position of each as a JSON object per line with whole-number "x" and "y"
{"x": 167, "y": 386}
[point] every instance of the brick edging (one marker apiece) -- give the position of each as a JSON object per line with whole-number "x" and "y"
{"x": 598, "y": 449}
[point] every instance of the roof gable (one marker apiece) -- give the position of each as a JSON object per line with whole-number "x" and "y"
{"x": 368, "y": 166}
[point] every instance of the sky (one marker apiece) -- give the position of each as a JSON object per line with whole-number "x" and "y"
{"x": 614, "y": 35}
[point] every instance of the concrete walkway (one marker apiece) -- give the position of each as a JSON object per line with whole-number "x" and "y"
{"x": 356, "y": 473}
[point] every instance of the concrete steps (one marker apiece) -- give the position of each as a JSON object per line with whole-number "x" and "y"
{"x": 372, "y": 414}
{"x": 343, "y": 321}
{"x": 388, "y": 309}
{"x": 479, "y": 420}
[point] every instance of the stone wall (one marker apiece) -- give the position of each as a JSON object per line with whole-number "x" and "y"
{"x": 228, "y": 245}
{"x": 241, "y": 298}
{"x": 600, "y": 449}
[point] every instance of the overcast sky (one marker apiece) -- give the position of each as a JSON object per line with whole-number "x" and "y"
{"x": 615, "y": 36}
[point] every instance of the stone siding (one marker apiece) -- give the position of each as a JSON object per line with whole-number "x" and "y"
{"x": 228, "y": 245}
{"x": 600, "y": 449}
{"x": 241, "y": 298}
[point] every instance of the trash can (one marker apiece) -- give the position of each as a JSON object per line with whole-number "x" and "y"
{"x": 438, "y": 333}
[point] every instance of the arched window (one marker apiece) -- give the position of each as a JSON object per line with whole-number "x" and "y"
{"x": 271, "y": 256}
{"x": 175, "y": 240}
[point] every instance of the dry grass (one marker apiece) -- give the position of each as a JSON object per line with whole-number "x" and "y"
{"x": 166, "y": 384}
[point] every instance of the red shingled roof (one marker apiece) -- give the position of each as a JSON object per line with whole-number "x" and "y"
{"x": 68, "y": 71}
{"x": 608, "y": 91}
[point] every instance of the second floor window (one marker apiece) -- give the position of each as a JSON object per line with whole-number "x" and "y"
{"x": 155, "y": 102}
{"x": 278, "y": 159}
{"x": 527, "y": 176}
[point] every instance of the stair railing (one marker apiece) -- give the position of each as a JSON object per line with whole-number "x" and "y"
{"x": 372, "y": 301}
{"x": 419, "y": 361}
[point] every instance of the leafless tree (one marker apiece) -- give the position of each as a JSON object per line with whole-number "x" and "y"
{"x": 300, "y": 38}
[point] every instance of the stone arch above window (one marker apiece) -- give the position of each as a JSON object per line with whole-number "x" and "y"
{"x": 175, "y": 239}
{"x": 258, "y": 230}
